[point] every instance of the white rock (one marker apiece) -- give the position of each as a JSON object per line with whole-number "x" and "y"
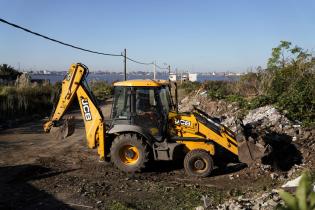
{"x": 200, "y": 208}
{"x": 293, "y": 183}
{"x": 274, "y": 176}
{"x": 203, "y": 93}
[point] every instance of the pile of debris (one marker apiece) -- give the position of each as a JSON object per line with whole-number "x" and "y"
{"x": 265, "y": 125}
{"x": 262, "y": 202}
{"x": 294, "y": 145}
{"x": 264, "y": 118}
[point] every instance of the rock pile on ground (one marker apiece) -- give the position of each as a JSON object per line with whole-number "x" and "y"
{"x": 295, "y": 146}
{"x": 266, "y": 118}
{"x": 261, "y": 202}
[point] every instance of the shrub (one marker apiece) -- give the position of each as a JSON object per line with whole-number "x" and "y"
{"x": 27, "y": 101}
{"x": 249, "y": 84}
{"x": 258, "y": 101}
{"x": 219, "y": 89}
{"x": 101, "y": 90}
{"x": 290, "y": 83}
{"x": 298, "y": 100}
{"x": 304, "y": 198}
{"x": 189, "y": 86}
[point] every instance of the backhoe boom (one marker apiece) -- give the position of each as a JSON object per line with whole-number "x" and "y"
{"x": 73, "y": 85}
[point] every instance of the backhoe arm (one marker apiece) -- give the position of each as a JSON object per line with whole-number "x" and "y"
{"x": 73, "y": 85}
{"x": 69, "y": 87}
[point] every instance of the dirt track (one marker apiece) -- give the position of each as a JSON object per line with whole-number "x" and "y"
{"x": 40, "y": 172}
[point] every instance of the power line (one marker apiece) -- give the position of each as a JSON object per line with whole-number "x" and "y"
{"x": 73, "y": 46}
{"x": 54, "y": 40}
{"x": 159, "y": 67}
{"x": 139, "y": 61}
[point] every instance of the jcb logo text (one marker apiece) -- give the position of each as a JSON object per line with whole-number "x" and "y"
{"x": 86, "y": 109}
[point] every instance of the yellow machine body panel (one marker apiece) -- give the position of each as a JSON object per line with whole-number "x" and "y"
{"x": 190, "y": 145}
{"x": 93, "y": 121}
{"x": 187, "y": 126}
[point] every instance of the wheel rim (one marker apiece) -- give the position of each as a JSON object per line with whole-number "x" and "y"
{"x": 129, "y": 154}
{"x": 199, "y": 165}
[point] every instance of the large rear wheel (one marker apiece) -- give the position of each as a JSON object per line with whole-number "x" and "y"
{"x": 198, "y": 162}
{"x": 129, "y": 153}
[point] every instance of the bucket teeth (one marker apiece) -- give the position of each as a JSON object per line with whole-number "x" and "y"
{"x": 65, "y": 130}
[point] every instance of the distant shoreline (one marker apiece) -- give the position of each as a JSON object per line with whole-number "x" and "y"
{"x": 53, "y": 78}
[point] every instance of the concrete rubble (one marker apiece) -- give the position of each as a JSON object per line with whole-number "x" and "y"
{"x": 265, "y": 201}
{"x": 268, "y": 124}
{"x": 266, "y": 117}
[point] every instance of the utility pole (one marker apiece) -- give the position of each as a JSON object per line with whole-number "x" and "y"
{"x": 154, "y": 70}
{"x": 125, "y": 64}
{"x": 181, "y": 77}
{"x": 176, "y": 73}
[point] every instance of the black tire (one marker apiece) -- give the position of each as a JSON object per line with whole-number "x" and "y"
{"x": 121, "y": 153}
{"x": 198, "y": 163}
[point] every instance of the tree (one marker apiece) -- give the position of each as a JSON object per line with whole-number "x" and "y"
{"x": 7, "y": 72}
{"x": 284, "y": 54}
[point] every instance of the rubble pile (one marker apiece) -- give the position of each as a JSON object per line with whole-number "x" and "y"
{"x": 226, "y": 112}
{"x": 266, "y": 124}
{"x": 266, "y": 118}
{"x": 262, "y": 202}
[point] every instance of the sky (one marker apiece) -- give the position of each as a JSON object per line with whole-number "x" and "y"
{"x": 195, "y": 36}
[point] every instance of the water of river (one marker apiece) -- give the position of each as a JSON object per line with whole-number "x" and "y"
{"x": 118, "y": 77}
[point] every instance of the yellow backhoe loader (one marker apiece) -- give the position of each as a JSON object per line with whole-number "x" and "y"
{"x": 145, "y": 124}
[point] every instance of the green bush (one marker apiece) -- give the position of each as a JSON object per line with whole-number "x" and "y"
{"x": 288, "y": 83}
{"x": 298, "y": 100}
{"x": 219, "y": 89}
{"x": 304, "y": 198}
{"x": 240, "y": 100}
{"x": 189, "y": 86}
{"x": 8, "y": 72}
{"x": 258, "y": 101}
{"x": 18, "y": 102}
{"x": 101, "y": 90}
{"x": 249, "y": 84}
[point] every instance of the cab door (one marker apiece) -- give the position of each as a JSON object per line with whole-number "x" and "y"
{"x": 148, "y": 110}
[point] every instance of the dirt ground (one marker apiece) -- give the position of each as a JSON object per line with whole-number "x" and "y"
{"x": 39, "y": 172}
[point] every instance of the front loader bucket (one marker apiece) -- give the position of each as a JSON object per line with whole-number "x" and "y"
{"x": 248, "y": 151}
{"x": 64, "y": 130}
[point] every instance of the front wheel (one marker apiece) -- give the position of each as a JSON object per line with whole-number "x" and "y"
{"x": 198, "y": 163}
{"x": 129, "y": 153}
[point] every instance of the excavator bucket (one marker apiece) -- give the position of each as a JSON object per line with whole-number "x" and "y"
{"x": 249, "y": 150}
{"x": 65, "y": 130}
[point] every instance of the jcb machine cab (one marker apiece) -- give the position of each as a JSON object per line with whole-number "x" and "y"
{"x": 142, "y": 105}
{"x": 145, "y": 124}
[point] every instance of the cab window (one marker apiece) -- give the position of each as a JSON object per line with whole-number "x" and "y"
{"x": 165, "y": 99}
{"x": 145, "y": 100}
{"x": 121, "y": 108}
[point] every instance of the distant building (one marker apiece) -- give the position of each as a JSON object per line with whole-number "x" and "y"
{"x": 173, "y": 77}
{"x": 184, "y": 77}
{"x": 47, "y": 72}
{"x": 192, "y": 77}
